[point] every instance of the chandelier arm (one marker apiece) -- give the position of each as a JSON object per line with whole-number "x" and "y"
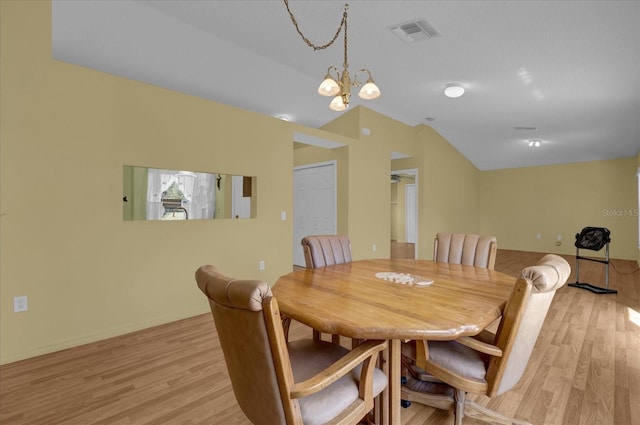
{"x": 333, "y": 68}
{"x": 343, "y": 23}
{"x": 355, "y": 78}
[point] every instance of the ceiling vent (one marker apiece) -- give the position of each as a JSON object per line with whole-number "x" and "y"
{"x": 413, "y": 31}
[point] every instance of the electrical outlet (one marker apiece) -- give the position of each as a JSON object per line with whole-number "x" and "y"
{"x": 261, "y": 265}
{"x": 374, "y": 247}
{"x": 20, "y": 304}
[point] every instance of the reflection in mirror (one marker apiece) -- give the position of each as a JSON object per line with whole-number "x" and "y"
{"x": 160, "y": 194}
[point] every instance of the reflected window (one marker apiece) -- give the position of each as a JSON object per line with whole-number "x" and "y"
{"x": 179, "y": 195}
{"x": 162, "y": 194}
{"x": 172, "y": 200}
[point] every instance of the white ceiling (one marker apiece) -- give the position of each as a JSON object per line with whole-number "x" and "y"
{"x": 569, "y": 68}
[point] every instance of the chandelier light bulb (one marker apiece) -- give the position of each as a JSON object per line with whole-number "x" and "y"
{"x": 369, "y": 90}
{"x": 328, "y": 87}
{"x": 337, "y": 104}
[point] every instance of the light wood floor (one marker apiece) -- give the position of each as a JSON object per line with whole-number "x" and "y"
{"x": 585, "y": 369}
{"x": 403, "y": 250}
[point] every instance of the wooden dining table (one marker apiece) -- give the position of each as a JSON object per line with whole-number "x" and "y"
{"x": 394, "y": 300}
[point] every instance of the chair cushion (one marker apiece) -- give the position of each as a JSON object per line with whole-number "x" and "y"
{"x": 309, "y": 357}
{"x": 453, "y": 356}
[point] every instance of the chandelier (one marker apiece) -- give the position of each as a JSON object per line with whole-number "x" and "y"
{"x": 334, "y": 83}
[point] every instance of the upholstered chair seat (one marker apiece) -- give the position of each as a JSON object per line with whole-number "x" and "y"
{"x": 308, "y": 358}
{"x": 278, "y": 382}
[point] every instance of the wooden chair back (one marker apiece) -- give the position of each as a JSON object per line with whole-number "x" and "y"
{"x": 253, "y": 345}
{"x": 522, "y": 321}
{"x": 334, "y": 384}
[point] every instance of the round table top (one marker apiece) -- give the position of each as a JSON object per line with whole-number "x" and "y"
{"x": 348, "y": 299}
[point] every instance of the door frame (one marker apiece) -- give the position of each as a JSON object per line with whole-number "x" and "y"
{"x": 334, "y": 164}
{"x": 414, "y": 173}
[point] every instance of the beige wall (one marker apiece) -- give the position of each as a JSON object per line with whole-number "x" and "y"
{"x": 518, "y": 204}
{"x": 67, "y": 131}
{"x": 447, "y": 189}
{"x": 447, "y": 181}
{"x": 365, "y": 192}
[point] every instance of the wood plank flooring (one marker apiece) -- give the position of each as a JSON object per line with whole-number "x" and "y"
{"x": 585, "y": 369}
{"x": 403, "y": 250}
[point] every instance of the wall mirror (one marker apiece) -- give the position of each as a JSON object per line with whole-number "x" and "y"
{"x": 162, "y": 194}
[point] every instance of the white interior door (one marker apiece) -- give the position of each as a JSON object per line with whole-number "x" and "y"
{"x": 314, "y": 204}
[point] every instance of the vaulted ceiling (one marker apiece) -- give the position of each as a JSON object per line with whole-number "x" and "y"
{"x": 566, "y": 73}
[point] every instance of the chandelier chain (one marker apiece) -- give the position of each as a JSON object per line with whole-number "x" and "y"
{"x": 336, "y": 83}
{"x": 343, "y": 23}
{"x": 346, "y": 62}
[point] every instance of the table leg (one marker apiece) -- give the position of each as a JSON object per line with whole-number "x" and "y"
{"x": 383, "y": 398}
{"x": 394, "y": 381}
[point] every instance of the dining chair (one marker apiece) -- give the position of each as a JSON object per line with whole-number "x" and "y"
{"x": 326, "y": 250}
{"x": 488, "y": 364}
{"x": 275, "y": 382}
{"x": 322, "y": 251}
{"x": 466, "y": 249}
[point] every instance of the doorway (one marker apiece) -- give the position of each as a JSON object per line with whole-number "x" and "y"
{"x": 404, "y": 213}
{"x": 314, "y": 204}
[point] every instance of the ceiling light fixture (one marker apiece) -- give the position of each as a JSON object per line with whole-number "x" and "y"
{"x": 453, "y": 90}
{"x": 334, "y": 83}
{"x": 283, "y": 117}
{"x": 534, "y": 143}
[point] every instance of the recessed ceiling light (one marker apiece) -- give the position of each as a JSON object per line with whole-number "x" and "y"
{"x": 453, "y": 90}
{"x": 283, "y": 117}
{"x": 535, "y": 143}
